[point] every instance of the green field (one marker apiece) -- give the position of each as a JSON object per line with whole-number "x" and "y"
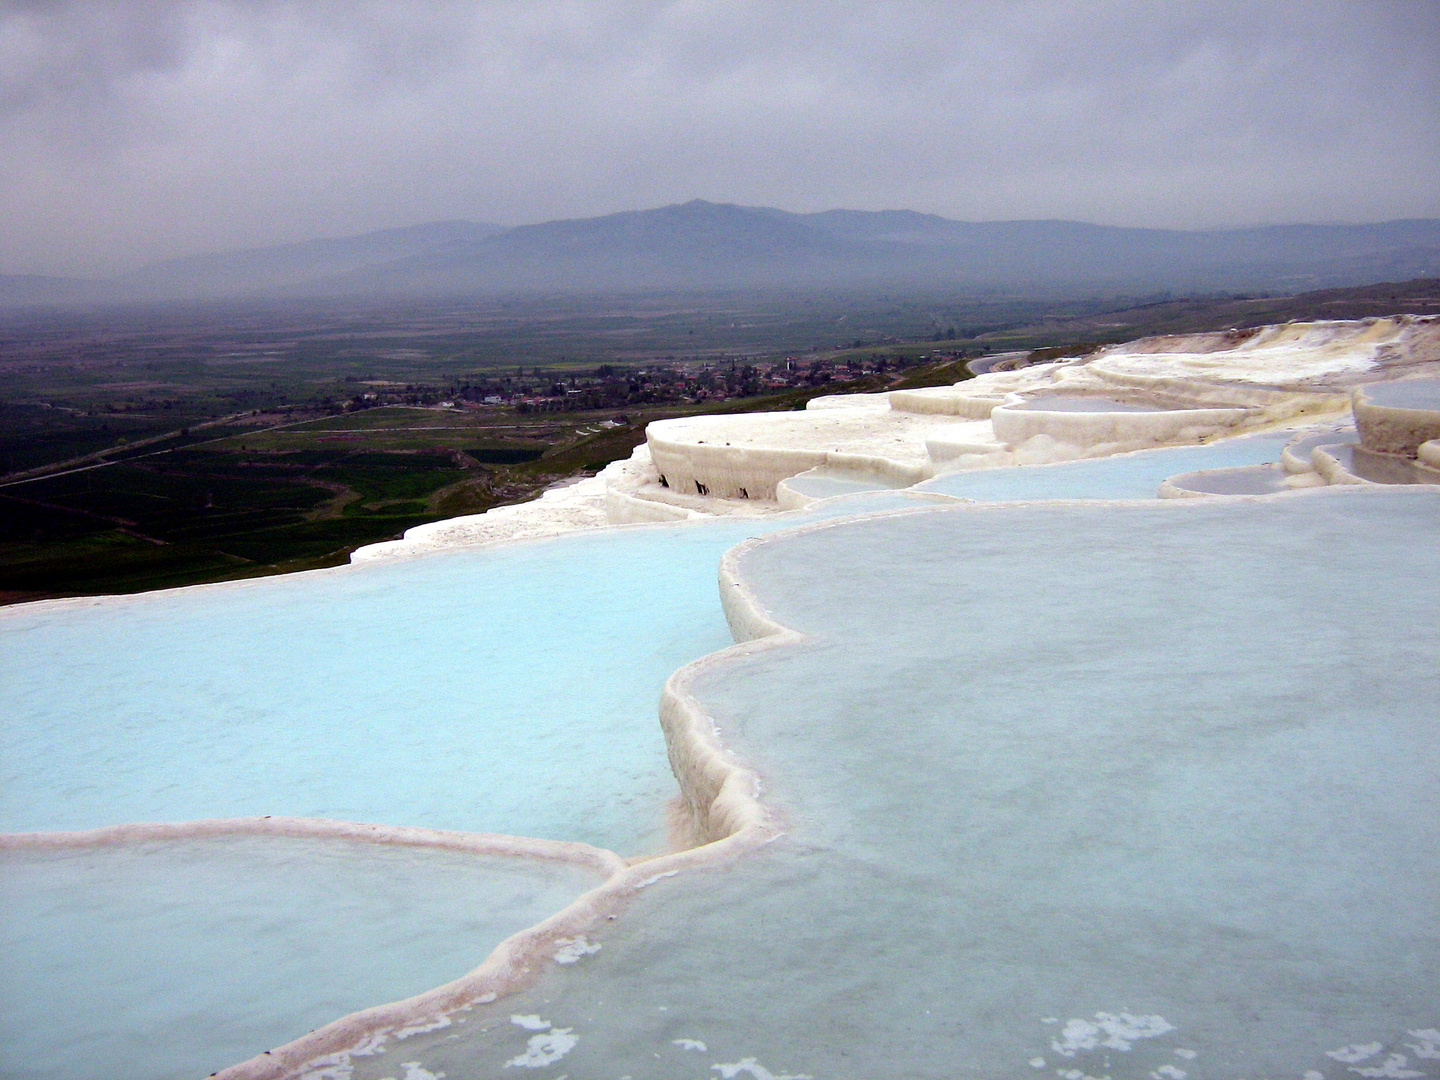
{"x": 265, "y": 501}
{"x": 292, "y": 497}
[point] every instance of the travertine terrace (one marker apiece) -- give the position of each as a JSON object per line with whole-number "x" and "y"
{"x": 1154, "y": 392}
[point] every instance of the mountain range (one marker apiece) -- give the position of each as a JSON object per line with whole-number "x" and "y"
{"x": 710, "y": 246}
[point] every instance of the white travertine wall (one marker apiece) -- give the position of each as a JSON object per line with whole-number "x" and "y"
{"x": 624, "y": 509}
{"x": 1197, "y": 387}
{"x": 789, "y": 499}
{"x": 946, "y": 401}
{"x": 1197, "y": 393}
{"x": 1084, "y": 429}
{"x": 720, "y": 795}
{"x": 746, "y": 457}
{"x": 953, "y": 441}
{"x": 1297, "y": 356}
{"x": 1393, "y": 429}
{"x": 878, "y": 402}
{"x": 724, "y": 470}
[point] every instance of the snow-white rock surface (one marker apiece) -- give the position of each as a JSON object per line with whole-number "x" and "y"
{"x": 1166, "y": 391}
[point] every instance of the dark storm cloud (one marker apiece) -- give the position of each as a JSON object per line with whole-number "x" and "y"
{"x": 137, "y": 129}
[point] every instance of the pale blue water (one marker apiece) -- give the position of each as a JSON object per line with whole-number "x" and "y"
{"x": 1244, "y": 480}
{"x": 1303, "y": 446}
{"x": 1405, "y": 394}
{"x": 827, "y": 485}
{"x": 1377, "y": 468}
{"x": 1125, "y": 476}
{"x": 1168, "y": 808}
{"x": 168, "y": 961}
{"x": 508, "y": 690}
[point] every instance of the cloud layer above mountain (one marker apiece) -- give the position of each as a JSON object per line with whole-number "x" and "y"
{"x": 138, "y": 129}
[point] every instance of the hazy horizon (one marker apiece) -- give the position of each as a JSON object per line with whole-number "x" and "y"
{"x": 138, "y": 132}
{"x": 471, "y": 221}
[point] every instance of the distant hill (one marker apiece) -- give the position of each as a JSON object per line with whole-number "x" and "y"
{"x": 285, "y": 269}
{"x": 287, "y": 266}
{"x": 701, "y": 245}
{"x": 706, "y": 246}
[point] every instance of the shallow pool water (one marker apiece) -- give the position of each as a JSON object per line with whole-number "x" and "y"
{"x": 174, "y": 959}
{"x": 1126, "y": 476}
{"x": 512, "y": 689}
{"x": 1244, "y": 480}
{"x": 1405, "y": 394}
{"x": 1303, "y": 446}
{"x": 1378, "y": 468}
{"x": 508, "y": 690}
{"x": 1146, "y": 792}
{"x": 1125, "y": 776}
{"x": 1082, "y": 403}
{"x": 827, "y": 485}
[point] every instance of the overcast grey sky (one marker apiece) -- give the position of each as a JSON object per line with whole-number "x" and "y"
{"x": 138, "y": 129}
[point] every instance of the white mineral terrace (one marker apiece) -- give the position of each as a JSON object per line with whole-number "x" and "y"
{"x": 1176, "y": 820}
{"x": 1163, "y": 391}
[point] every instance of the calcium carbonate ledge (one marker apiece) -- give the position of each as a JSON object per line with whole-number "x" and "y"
{"x": 946, "y": 401}
{"x": 1298, "y": 456}
{"x": 1017, "y": 424}
{"x": 716, "y": 468}
{"x": 721, "y": 794}
{"x": 1332, "y": 463}
{"x": 1347, "y": 463}
{"x": 1278, "y": 403}
{"x": 622, "y": 508}
{"x": 787, "y": 498}
{"x": 603, "y": 862}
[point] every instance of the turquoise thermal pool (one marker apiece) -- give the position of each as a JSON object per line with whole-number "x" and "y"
{"x": 1405, "y": 394}
{"x": 1142, "y": 791}
{"x": 1050, "y": 783}
{"x": 1375, "y": 468}
{"x": 507, "y": 690}
{"x": 829, "y": 484}
{"x": 171, "y": 960}
{"x": 1242, "y": 480}
{"x": 1136, "y": 475}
